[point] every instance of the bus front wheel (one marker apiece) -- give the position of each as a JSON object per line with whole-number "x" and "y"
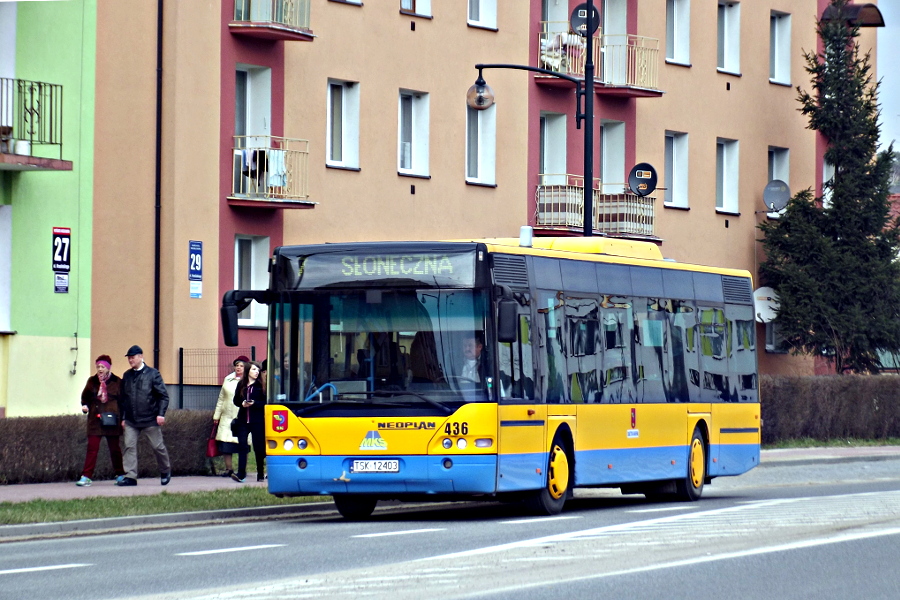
{"x": 355, "y": 507}
{"x": 690, "y": 488}
{"x": 550, "y": 499}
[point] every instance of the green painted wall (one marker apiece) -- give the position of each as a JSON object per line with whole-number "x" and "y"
{"x": 55, "y": 43}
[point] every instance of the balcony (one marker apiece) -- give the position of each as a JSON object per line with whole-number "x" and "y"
{"x": 272, "y": 19}
{"x": 270, "y": 172}
{"x": 560, "y": 207}
{"x": 31, "y": 126}
{"x": 624, "y": 65}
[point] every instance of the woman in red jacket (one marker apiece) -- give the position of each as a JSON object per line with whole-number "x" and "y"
{"x": 101, "y": 395}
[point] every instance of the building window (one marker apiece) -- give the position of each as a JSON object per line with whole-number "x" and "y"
{"x": 412, "y": 135}
{"x": 780, "y": 47}
{"x": 342, "y": 141}
{"x": 779, "y": 161}
{"x": 678, "y": 31}
{"x": 251, "y": 259}
{"x": 775, "y": 342}
{"x": 612, "y": 157}
{"x": 553, "y": 149}
{"x": 676, "y": 166}
{"x": 483, "y": 13}
{"x": 727, "y": 175}
{"x": 729, "y": 25}
{"x": 419, "y": 7}
{"x": 827, "y": 183}
{"x": 481, "y": 145}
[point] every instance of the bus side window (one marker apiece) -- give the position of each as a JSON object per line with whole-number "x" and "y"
{"x": 516, "y": 366}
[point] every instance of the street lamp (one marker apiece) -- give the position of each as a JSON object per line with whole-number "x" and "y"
{"x": 481, "y": 97}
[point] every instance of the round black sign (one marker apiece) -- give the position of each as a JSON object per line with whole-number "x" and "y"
{"x": 579, "y": 19}
{"x": 642, "y": 179}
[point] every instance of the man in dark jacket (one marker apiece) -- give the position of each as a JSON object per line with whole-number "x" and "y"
{"x": 143, "y": 402}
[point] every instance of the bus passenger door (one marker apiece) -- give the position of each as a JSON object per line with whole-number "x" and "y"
{"x": 522, "y": 422}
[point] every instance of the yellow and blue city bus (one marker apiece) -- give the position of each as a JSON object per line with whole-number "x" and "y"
{"x": 486, "y": 369}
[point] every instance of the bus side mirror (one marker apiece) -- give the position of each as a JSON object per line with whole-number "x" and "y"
{"x": 229, "y": 314}
{"x": 507, "y": 321}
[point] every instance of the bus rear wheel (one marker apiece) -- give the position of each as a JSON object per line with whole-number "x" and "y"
{"x": 550, "y": 499}
{"x": 690, "y": 488}
{"x": 355, "y": 507}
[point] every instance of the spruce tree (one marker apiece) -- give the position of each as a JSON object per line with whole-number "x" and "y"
{"x": 834, "y": 263}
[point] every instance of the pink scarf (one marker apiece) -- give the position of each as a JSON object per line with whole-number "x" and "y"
{"x": 102, "y": 393}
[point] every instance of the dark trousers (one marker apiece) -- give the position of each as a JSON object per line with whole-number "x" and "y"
{"x": 93, "y": 448}
{"x": 257, "y": 433}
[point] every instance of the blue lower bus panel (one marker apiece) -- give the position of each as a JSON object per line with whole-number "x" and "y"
{"x": 414, "y": 475}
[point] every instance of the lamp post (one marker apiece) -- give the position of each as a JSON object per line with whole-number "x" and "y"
{"x": 481, "y": 97}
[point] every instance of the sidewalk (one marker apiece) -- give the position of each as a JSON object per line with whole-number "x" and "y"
{"x": 147, "y": 486}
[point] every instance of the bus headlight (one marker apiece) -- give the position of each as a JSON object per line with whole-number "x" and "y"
{"x": 302, "y": 444}
{"x": 288, "y": 445}
{"x": 447, "y": 443}
{"x": 461, "y": 443}
{"x": 484, "y": 443}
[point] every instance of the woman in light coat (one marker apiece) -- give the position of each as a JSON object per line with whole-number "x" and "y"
{"x": 226, "y": 412}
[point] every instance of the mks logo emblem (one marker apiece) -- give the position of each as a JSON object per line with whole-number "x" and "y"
{"x": 279, "y": 420}
{"x": 373, "y": 441}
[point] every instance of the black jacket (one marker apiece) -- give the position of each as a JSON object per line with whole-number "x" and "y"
{"x": 144, "y": 397}
{"x": 256, "y": 413}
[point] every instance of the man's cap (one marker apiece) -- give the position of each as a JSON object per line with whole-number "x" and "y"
{"x": 134, "y": 350}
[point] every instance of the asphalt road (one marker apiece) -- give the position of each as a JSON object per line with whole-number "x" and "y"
{"x": 791, "y": 531}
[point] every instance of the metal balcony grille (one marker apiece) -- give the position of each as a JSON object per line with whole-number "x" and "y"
{"x": 270, "y": 168}
{"x": 30, "y": 115}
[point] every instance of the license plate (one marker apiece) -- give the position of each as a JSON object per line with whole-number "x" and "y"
{"x": 375, "y": 466}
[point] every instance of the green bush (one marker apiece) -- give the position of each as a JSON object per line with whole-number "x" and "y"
{"x": 830, "y": 407}
{"x": 47, "y": 449}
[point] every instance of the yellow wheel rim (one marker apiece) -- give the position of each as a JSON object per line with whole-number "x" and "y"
{"x": 558, "y": 477}
{"x": 697, "y": 464}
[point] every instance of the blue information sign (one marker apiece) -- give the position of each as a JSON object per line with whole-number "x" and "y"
{"x": 195, "y": 261}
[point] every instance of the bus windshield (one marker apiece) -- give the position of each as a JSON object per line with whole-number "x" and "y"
{"x": 419, "y": 349}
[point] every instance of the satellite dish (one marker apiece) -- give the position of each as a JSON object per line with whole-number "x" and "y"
{"x": 765, "y": 303}
{"x": 642, "y": 179}
{"x": 776, "y": 195}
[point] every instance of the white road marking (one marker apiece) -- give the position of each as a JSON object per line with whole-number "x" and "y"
{"x": 224, "y": 550}
{"x": 666, "y": 509}
{"x": 37, "y": 569}
{"x": 539, "y": 520}
{"x": 387, "y": 533}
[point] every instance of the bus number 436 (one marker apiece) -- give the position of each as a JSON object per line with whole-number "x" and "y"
{"x": 457, "y": 428}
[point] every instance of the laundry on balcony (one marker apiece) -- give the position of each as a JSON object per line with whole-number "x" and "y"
{"x": 253, "y": 162}
{"x": 277, "y": 168}
{"x": 562, "y": 52}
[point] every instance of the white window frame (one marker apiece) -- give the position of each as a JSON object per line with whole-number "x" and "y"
{"x": 418, "y": 7}
{"x": 678, "y": 31}
{"x": 254, "y": 315}
{"x": 612, "y": 157}
{"x": 481, "y": 145}
{"x": 827, "y": 176}
{"x": 553, "y": 149}
{"x": 729, "y": 37}
{"x": 412, "y": 154}
{"x": 775, "y": 343}
{"x": 676, "y": 166}
{"x": 780, "y": 47}
{"x": 347, "y": 122}
{"x": 482, "y": 13}
{"x": 779, "y": 167}
{"x": 258, "y": 105}
{"x": 5, "y": 266}
{"x": 727, "y": 175}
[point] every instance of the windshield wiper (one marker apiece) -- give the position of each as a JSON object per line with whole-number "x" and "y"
{"x": 394, "y": 393}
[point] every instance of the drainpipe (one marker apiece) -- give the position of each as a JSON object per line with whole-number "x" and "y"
{"x": 158, "y": 181}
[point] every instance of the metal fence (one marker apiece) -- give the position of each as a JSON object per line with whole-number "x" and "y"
{"x": 201, "y": 372}
{"x": 30, "y": 115}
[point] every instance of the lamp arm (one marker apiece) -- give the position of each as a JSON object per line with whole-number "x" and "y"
{"x": 579, "y": 83}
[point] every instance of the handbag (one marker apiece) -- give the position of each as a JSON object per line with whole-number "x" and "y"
{"x": 109, "y": 419}
{"x": 212, "y": 448}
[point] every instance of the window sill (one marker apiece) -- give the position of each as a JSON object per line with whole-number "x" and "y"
{"x": 342, "y": 167}
{"x": 485, "y": 27}
{"x": 727, "y": 72}
{"x": 413, "y": 175}
{"x": 676, "y": 206}
{"x": 351, "y": 2}
{"x": 731, "y": 213}
{"x": 409, "y": 13}
{"x": 480, "y": 184}
{"x": 781, "y": 83}
{"x": 678, "y": 63}
{"x": 8, "y": 332}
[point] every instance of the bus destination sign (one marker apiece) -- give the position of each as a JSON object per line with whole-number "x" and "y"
{"x": 429, "y": 268}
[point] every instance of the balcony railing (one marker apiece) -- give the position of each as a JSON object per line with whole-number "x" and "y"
{"x": 560, "y": 206}
{"x": 270, "y": 169}
{"x": 30, "y": 116}
{"x": 276, "y": 19}
{"x": 620, "y": 60}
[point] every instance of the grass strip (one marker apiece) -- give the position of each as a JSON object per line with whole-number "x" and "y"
{"x": 834, "y": 443}
{"x": 46, "y": 511}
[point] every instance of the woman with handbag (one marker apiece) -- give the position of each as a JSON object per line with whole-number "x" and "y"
{"x": 100, "y": 402}
{"x": 225, "y": 413}
{"x": 250, "y": 396}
